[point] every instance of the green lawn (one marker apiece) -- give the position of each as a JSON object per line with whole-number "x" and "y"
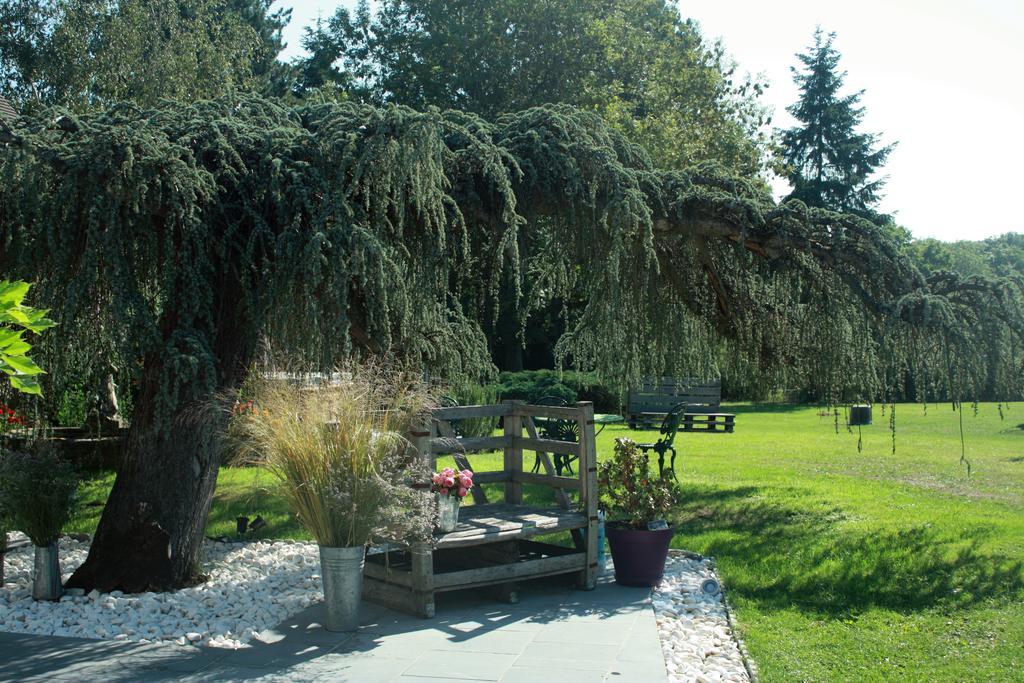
{"x": 841, "y": 565}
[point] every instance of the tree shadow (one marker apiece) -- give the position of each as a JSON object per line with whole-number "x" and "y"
{"x": 798, "y": 557}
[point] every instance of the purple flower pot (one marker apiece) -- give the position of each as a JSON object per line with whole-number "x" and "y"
{"x": 639, "y": 555}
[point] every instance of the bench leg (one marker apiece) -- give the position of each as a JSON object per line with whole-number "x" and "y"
{"x": 673, "y": 468}
{"x": 422, "y": 557}
{"x": 508, "y": 593}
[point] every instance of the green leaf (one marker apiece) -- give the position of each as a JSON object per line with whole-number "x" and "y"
{"x": 26, "y": 385}
{"x": 8, "y": 337}
{"x": 18, "y": 316}
{"x": 16, "y": 347}
{"x": 23, "y": 365}
{"x": 13, "y": 292}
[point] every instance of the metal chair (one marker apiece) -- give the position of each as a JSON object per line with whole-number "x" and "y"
{"x": 669, "y": 427}
{"x": 559, "y": 430}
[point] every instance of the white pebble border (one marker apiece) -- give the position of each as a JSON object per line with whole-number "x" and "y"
{"x": 252, "y": 587}
{"x": 697, "y": 637}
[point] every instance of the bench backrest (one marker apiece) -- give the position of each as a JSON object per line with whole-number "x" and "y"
{"x": 660, "y": 395}
{"x": 438, "y": 437}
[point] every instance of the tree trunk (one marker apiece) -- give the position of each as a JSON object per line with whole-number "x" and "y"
{"x": 152, "y": 528}
{"x": 151, "y": 531}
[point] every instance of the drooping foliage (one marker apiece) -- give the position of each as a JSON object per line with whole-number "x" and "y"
{"x": 334, "y": 229}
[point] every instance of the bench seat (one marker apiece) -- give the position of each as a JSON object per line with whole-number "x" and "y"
{"x": 503, "y": 521}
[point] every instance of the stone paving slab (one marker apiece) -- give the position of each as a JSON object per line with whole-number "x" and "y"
{"x": 554, "y": 633}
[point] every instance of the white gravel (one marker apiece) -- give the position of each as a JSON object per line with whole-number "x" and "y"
{"x": 252, "y": 587}
{"x": 694, "y": 627}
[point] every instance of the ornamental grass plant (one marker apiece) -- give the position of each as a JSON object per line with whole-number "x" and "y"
{"x": 340, "y": 452}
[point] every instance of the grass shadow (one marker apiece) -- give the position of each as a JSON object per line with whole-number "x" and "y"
{"x": 783, "y": 556}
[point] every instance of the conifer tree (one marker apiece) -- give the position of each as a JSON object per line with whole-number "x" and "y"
{"x": 829, "y": 163}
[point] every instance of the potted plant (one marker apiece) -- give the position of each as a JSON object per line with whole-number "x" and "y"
{"x": 450, "y": 487}
{"x": 39, "y": 493}
{"x": 637, "y": 503}
{"x": 339, "y": 452}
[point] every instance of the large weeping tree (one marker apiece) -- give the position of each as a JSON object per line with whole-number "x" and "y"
{"x": 180, "y": 239}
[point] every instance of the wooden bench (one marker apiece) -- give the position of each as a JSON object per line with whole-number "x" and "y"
{"x": 494, "y": 543}
{"x": 651, "y": 400}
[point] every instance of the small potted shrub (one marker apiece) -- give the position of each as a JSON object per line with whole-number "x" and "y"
{"x": 637, "y": 503}
{"x": 346, "y": 468}
{"x": 450, "y": 487}
{"x": 39, "y": 493}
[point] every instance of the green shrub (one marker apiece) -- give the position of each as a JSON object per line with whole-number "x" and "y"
{"x": 39, "y": 490}
{"x": 72, "y": 410}
{"x": 628, "y": 490}
{"x": 534, "y": 385}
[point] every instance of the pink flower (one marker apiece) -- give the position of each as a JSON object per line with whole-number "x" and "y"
{"x": 444, "y": 492}
{"x": 465, "y": 481}
{"x": 437, "y": 478}
{"x": 463, "y": 491}
{"x": 448, "y": 481}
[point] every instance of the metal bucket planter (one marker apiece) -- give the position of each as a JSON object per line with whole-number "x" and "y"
{"x": 447, "y": 512}
{"x": 46, "y": 575}
{"x": 342, "y": 571}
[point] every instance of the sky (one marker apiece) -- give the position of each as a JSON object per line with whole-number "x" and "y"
{"x": 941, "y": 78}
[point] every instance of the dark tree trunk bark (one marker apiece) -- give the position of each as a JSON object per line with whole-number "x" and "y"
{"x": 151, "y": 531}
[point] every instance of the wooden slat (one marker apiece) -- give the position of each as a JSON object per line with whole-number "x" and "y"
{"x": 557, "y": 412}
{"x": 589, "y": 492}
{"x": 547, "y": 445}
{"x": 496, "y": 477}
{"x": 499, "y": 522}
{"x": 545, "y": 566}
{"x": 549, "y": 480}
{"x": 463, "y": 412}
{"x": 513, "y": 454}
{"x": 380, "y": 572}
{"x": 446, "y": 444}
{"x": 545, "y": 460}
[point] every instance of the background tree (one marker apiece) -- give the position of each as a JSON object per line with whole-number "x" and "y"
{"x": 827, "y": 161}
{"x": 638, "y": 64}
{"x": 89, "y": 53}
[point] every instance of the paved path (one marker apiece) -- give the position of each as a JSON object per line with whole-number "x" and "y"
{"x": 553, "y": 634}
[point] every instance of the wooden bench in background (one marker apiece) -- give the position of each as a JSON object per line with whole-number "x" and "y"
{"x": 651, "y": 400}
